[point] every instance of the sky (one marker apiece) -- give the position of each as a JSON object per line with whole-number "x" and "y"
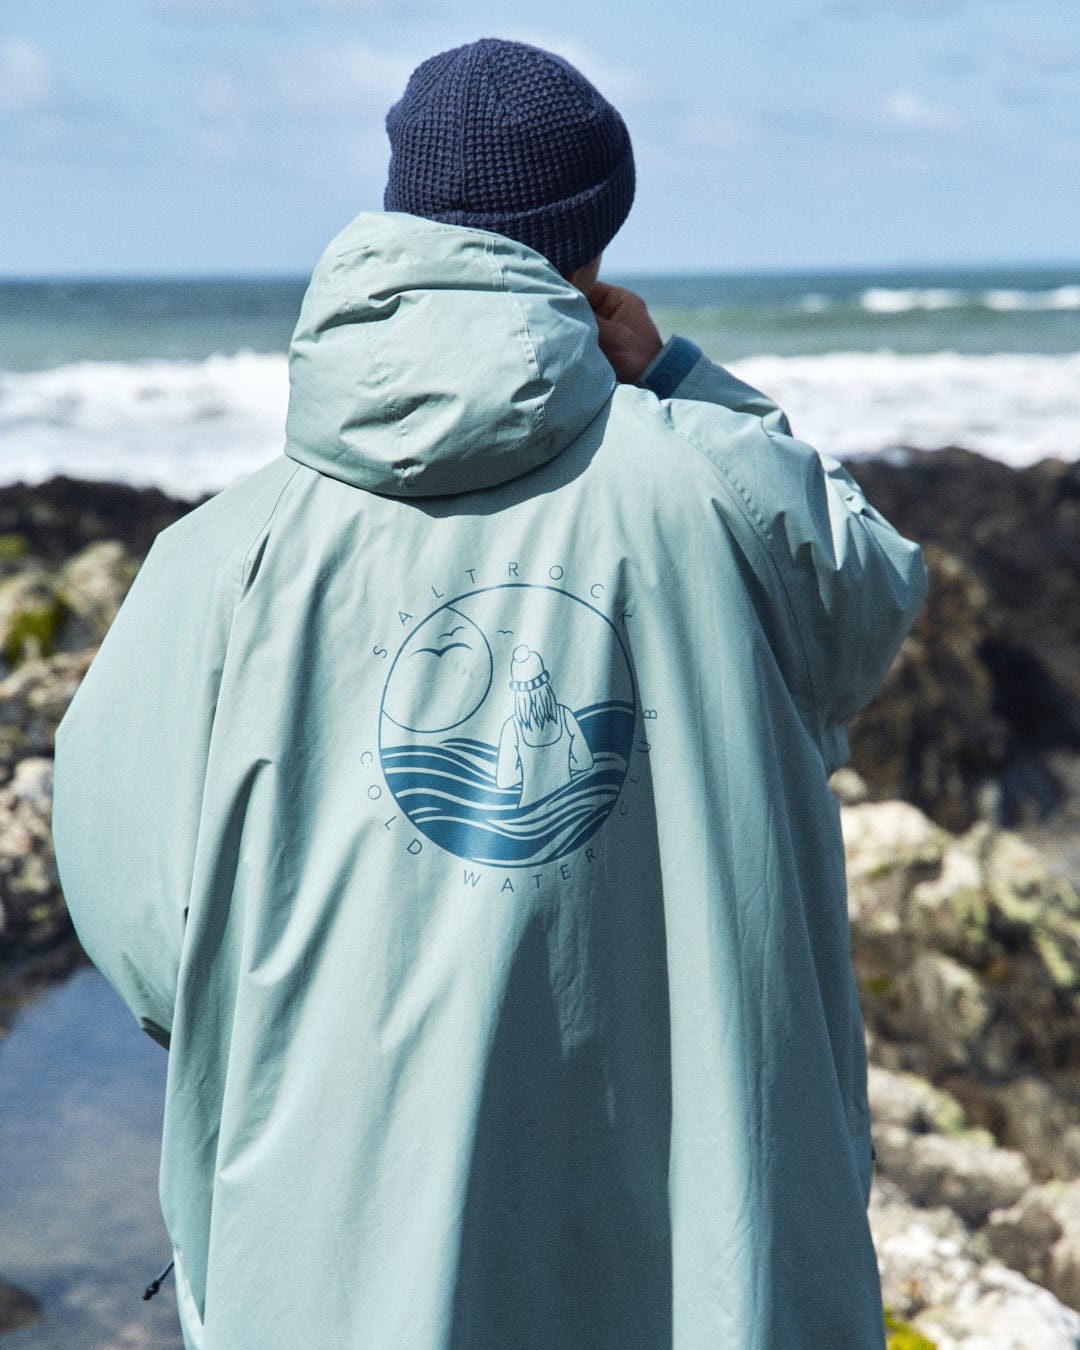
{"x": 150, "y": 137}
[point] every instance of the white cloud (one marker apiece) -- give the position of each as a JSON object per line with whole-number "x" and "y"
{"x": 910, "y": 110}
{"x": 715, "y": 131}
{"x": 26, "y": 79}
{"x": 356, "y": 79}
{"x": 367, "y": 72}
{"x": 214, "y": 9}
{"x": 264, "y": 9}
{"x": 868, "y": 8}
{"x": 1042, "y": 54}
{"x": 345, "y": 86}
{"x": 357, "y": 6}
{"x": 341, "y": 76}
{"x": 221, "y": 96}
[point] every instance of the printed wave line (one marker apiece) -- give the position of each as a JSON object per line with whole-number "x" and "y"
{"x": 550, "y": 843}
{"x": 596, "y": 795}
{"x": 426, "y": 801}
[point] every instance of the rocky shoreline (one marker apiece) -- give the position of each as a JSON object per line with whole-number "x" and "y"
{"x": 980, "y": 716}
{"x": 965, "y": 937}
{"x": 967, "y": 954}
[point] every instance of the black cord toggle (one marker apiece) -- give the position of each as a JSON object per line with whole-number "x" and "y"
{"x": 155, "y": 1284}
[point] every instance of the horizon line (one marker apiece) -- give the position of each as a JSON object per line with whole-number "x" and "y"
{"x": 616, "y": 273}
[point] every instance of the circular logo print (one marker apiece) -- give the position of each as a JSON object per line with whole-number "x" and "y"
{"x": 506, "y": 724}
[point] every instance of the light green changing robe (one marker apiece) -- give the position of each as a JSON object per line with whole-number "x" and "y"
{"x": 448, "y": 1068}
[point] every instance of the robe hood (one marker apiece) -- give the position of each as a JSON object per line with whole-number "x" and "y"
{"x": 431, "y": 359}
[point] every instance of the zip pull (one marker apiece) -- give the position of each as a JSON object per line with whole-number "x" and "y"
{"x": 155, "y": 1284}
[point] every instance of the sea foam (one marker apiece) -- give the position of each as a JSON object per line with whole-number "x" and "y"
{"x": 902, "y": 300}
{"x": 883, "y": 300}
{"x": 193, "y": 426}
{"x": 1015, "y": 408}
{"x": 185, "y": 426}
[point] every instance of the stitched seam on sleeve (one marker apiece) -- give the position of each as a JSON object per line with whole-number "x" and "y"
{"x": 524, "y": 337}
{"x": 262, "y": 527}
{"x": 749, "y": 509}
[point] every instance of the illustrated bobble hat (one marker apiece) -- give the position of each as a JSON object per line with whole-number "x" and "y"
{"x": 506, "y": 137}
{"x": 527, "y": 670}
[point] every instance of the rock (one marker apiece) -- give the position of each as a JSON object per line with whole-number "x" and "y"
{"x": 32, "y": 613}
{"x": 33, "y": 699}
{"x": 950, "y": 909}
{"x": 932, "y": 735}
{"x": 880, "y": 836}
{"x": 1028, "y": 1115}
{"x": 17, "y": 1308}
{"x": 1057, "y": 838}
{"x": 1018, "y": 529}
{"x": 37, "y": 942}
{"x": 967, "y": 1173}
{"x": 967, "y": 957}
{"x": 33, "y": 915}
{"x": 912, "y": 1103}
{"x": 52, "y": 521}
{"x": 848, "y": 787}
{"x": 999, "y": 1309}
{"x": 911, "y": 1245}
{"x": 1041, "y": 1234}
{"x": 934, "y": 1273}
{"x": 1063, "y": 1273}
{"x": 93, "y": 585}
{"x": 1006, "y": 616}
{"x": 32, "y": 782}
{"x": 889, "y": 846}
{"x": 1029, "y": 901}
{"x": 14, "y": 550}
{"x": 943, "y": 1007}
{"x": 42, "y": 612}
{"x": 1023, "y": 1235}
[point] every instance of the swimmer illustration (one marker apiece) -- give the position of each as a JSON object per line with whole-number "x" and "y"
{"x": 515, "y": 791}
{"x": 541, "y": 746}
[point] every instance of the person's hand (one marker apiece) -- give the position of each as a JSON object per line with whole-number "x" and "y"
{"x": 628, "y": 337}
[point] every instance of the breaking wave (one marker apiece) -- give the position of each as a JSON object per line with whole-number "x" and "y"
{"x": 1011, "y": 407}
{"x": 448, "y": 791}
{"x": 185, "y": 426}
{"x": 902, "y": 300}
{"x": 191, "y": 427}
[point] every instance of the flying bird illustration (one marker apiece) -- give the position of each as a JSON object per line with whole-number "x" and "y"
{"x": 459, "y": 629}
{"x": 441, "y": 651}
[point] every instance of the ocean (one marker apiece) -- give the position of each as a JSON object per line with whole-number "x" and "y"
{"x": 183, "y": 383}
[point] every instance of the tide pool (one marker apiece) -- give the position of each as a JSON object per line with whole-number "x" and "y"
{"x": 81, "y": 1097}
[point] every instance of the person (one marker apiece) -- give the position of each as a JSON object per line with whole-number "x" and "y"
{"x": 541, "y": 746}
{"x": 445, "y": 1072}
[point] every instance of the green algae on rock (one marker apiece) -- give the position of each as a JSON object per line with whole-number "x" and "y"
{"x": 902, "y": 1335}
{"x": 967, "y": 959}
{"x": 32, "y": 613}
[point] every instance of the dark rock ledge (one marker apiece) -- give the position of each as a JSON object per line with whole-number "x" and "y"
{"x": 17, "y": 1308}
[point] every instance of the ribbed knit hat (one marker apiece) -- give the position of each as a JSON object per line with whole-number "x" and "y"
{"x": 506, "y": 137}
{"x": 527, "y": 670}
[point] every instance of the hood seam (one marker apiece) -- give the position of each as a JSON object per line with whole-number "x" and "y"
{"x": 429, "y": 405}
{"x": 524, "y": 336}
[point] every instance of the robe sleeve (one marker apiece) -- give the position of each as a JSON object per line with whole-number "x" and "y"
{"x": 133, "y": 747}
{"x": 849, "y": 584}
{"x": 131, "y": 756}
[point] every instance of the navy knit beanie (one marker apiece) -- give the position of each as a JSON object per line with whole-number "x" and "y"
{"x": 506, "y": 137}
